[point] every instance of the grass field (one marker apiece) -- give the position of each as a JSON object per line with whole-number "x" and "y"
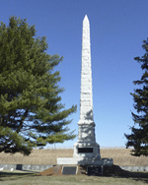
{"x": 32, "y": 179}
{"x": 120, "y": 156}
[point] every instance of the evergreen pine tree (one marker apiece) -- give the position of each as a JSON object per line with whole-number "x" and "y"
{"x": 31, "y": 114}
{"x": 138, "y": 139}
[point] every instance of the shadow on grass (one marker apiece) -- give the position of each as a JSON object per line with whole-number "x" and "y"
{"x": 10, "y": 174}
{"x": 117, "y": 172}
{"x": 13, "y": 176}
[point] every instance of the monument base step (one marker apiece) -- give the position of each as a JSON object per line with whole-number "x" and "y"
{"x": 84, "y": 161}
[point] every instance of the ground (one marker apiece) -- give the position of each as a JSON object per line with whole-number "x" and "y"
{"x": 112, "y": 176}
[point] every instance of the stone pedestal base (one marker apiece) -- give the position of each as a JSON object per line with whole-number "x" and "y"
{"x": 86, "y": 154}
{"x": 89, "y": 151}
{"x": 84, "y": 161}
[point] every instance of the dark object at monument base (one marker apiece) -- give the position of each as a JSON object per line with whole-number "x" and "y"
{"x": 69, "y": 170}
{"x": 85, "y": 150}
{"x": 19, "y": 167}
{"x": 95, "y": 170}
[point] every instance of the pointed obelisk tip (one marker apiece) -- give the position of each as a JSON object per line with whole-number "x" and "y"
{"x": 86, "y": 18}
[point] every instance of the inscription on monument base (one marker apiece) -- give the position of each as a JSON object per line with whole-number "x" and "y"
{"x": 69, "y": 170}
{"x": 85, "y": 150}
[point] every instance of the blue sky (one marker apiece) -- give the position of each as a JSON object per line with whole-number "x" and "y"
{"x": 117, "y": 29}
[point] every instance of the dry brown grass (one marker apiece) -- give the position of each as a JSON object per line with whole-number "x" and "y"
{"x": 122, "y": 157}
{"x": 48, "y": 157}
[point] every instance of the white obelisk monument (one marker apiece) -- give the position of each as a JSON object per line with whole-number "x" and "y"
{"x": 86, "y": 150}
{"x": 86, "y": 146}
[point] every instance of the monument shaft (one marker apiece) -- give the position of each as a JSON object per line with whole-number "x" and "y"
{"x": 86, "y": 102}
{"x": 86, "y": 145}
